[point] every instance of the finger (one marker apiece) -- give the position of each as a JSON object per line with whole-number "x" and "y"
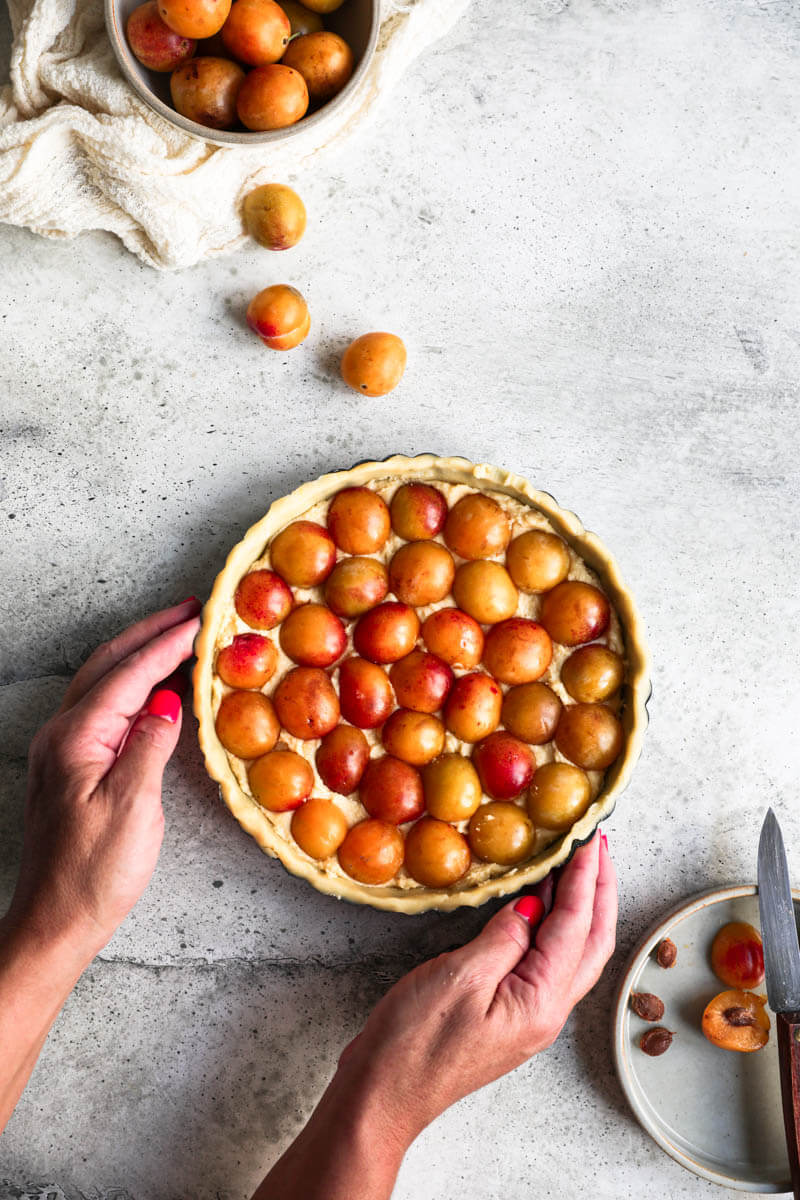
{"x": 106, "y": 711}
{"x": 500, "y": 945}
{"x": 602, "y": 935}
{"x": 148, "y": 748}
{"x": 553, "y": 962}
{"x": 109, "y": 654}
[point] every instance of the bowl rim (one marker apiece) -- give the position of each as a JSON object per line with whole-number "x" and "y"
{"x": 425, "y": 467}
{"x": 234, "y": 137}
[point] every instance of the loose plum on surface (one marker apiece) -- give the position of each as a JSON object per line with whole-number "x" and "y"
{"x": 272, "y": 97}
{"x": 319, "y": 827}
{"x": 391, "y": 790}
{"x": 592, "y": 673}
{"x": 501, "y": 832}
{"x": 374, "y": 363}
{"x": 421, "y": 573}
{"x": 418, "y": 511}
{"x": 151, "y": 40}
{"x": 537, "y": 560}
{"x": 323, "y": 59}
{"x": 262, "y": 599}
{"x": 341, "y": 758}
{"x": 517, "y": 650}
{"x": 437, "y": 855}
{"x": 358, "y": 520}
{"x": 248, "y": 661}
{"x": 306, "y": 703}
{"x": 206, "y": 90}
{"x": 421, "y": 681}
{"x": 355, "y": 585}
{"x": 256, "y": 32}
{"x": 452, "y": 788}
{"x": 278, "y": 314}
{"x": 414, "y": 737}
{"x": 246, "y": 724}
{"x": 737, "y": 1020}
{"x": 275, "y": 217}
{"x": 303, "y": 554}
{"x": 365, "y": 692}
{"x": 372, "y": 852}
{"x": 476, "y": 527}
{"x": 486, "y": 591}
{"x": 194, "y": 18}
{"x": 473, "y": 707}
{"x": 386, "y": 633}
{"x": 531, "y": 712}
{"x": 737, "y": 955}
{"x": 589, "y": 735}
{"x": 281, "y": 780}
{"x": 454, "y": 636}
{"x": 558, "y": 796}
{"x": 575, "y": 612}
{"x": 504, "y": 764}
{"x": 313, "y": 636}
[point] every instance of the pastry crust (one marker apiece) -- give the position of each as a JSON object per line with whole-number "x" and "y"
{"x": 429, "y": 468}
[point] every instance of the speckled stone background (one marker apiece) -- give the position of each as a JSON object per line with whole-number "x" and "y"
{"x": 583, "y": 218}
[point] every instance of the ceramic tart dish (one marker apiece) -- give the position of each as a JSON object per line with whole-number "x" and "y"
{"x": 420, "y": 683}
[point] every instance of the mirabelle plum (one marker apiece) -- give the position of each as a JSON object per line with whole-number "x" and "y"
{"x": 278, "y": 314}
{"x": 304, "y": 554}
{"x": 486, "y": 591}
{"x": 386, "y": 633}
{"x": 323, "y": 6}
{"x": 476, "y": 527}
{"x": 194, "y": 18}
{"x": 206, "y": 90}
{"x": 589, "y": 735}
{"x": 504, "y": 764}
{"x": 452, "y": 788}
{"x": 256, "y": 31}
{"x": 358, "y": 520}
{"x": 592, "y": 673}
{"x": 500, "y": 832}
{"x": 391, "y": 790}
{"x": 301, "y": 18}
{"x": 374, "y": 363}
{"x": 366, "y": 695}
{"x": 575, "y": 612}
{"x": 275, "y": 217}
{"x": 454, "y": 636}
{"x": 272, "y": 97}
{"x": 421, "y": 573}
{"x": 418, "y": 511}
{"x": 537, "y": 560}
{"x": 437, "y": 855}
{"x": 737, "y": 955}
{"x": 372, "y": 852}
{"x": 246, "y": 724}
{"x": 531, "y": 712}
{"x": 341, "y": 758}
{"x": 356, "y": 585}
{"x": 517, "y": 650}
{"x": 281, "y": 780}
{"x": 473, "y": 707}
{"x": 156, "y": 46}
{"x": 324, "y": 60}
{"x": 737, "y": 1020}
{"x": 421, "y": 681}
{"x": 319, "y": 827}
{"x": 262, "y": 599}
{"x": 248, "y": 661}
{"x": 413, "y": 736}
{"x": 313, "y": 636}
{"x": 558, "y": 796}
{"x": 306, "y": 703}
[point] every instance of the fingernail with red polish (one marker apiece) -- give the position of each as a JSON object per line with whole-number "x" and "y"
{"x": 191, "y": 600}
{"x": 530, "y": 908}
{"x": 165, "y": 704}
{"x": 605, "y": 840}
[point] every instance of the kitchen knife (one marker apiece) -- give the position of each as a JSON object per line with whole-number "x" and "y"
{"x": 782, "y": 968}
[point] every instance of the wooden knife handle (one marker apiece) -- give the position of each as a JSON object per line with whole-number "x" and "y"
{"x": 789, "y": 1058}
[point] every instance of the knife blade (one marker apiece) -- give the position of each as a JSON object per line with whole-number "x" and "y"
{"x": 778, "y": 925}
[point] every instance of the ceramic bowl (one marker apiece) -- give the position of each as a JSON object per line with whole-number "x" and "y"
{"x": 357, "y": 21}
{"x": 715, "y": 1111}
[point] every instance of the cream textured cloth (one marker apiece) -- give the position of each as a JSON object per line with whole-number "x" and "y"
{"x": 79, "y": 150}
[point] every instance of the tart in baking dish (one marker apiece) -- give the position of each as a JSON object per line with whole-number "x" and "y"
{"x": 420, "y": 683}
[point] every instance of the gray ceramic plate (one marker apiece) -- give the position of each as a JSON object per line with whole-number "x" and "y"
{"x": 714, "y": 1111}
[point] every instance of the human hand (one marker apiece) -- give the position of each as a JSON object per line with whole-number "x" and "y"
{"x": 93, "y": 817}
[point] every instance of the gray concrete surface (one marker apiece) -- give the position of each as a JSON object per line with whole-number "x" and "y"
{"x": 583, "y": 218}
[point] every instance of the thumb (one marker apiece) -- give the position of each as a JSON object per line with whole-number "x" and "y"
{"x": 503, "y": 942}
{"x": 149, "y": 745}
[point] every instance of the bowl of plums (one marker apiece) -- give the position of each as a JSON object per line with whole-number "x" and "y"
{"x": 240, "y": 72}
